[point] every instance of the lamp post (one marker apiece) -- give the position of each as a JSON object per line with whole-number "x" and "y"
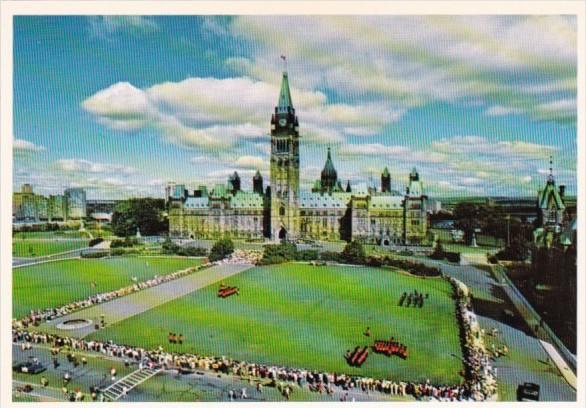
{"x": 508, "y": 218}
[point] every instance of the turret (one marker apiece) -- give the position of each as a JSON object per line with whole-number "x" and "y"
{"x": 257, "y": 183}
{"x": 234, "y": 182}
{"x": 385, "y": 181}
{"x": 329, "y": 176}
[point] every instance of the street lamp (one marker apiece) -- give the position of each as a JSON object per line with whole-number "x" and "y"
{"x": 508, "y": 218}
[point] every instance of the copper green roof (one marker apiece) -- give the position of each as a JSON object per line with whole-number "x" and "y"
{"x": 329, "y": 171}
{"x": 285, "y": 102}
{"x": 550, "y": 194}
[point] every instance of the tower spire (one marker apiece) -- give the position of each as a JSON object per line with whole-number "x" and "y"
{"x": 285, "y": 103}
{"x": 550, "y": 177}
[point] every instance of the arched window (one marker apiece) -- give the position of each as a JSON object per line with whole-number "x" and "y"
{"x": 282, "y": 211}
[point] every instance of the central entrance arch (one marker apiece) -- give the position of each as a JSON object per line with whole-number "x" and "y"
{"x": 283, "y": 234}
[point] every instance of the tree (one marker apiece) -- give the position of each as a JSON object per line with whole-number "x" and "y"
{"x": 518, "y": 250}
{"x": 354, "y": 253}
{"x": 145, "y": 214}
{"x": 221, "y": 249}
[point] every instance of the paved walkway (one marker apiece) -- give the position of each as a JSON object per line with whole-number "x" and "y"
{"x": 139, "y": 302}
{"x": 560, "y": 363}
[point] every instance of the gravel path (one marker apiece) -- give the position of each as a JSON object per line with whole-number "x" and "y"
{"x": 139, "y": 302}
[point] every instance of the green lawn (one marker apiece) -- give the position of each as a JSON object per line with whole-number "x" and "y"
{"x": 57, "y": 283}
{"x": 40, "y": 247}
{"x": 66, "y": 234}
{"x": 485, "y": 243}
{"x": 303, "y": 316}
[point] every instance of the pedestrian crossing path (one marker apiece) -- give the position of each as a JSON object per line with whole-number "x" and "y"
{"x": 121, "y": 387}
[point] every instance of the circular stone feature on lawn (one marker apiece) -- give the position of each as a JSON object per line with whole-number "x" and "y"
{"x": 74, "y": 324}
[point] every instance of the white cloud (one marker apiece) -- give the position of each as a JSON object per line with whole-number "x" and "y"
{"x": 120, "y": 106}
{"x": 252, "y": 162}
{"x": 201, "y": 160}
{"x": 479, "y": 145}
{"x": 498, "y": 110}
{"x": 86, "y": 166}
{"x": 21, "y": 145}
{"x": 396, "y": 153}
{"x": 215, "y": 113}
{"x": 105, "y": 26}
{"x": 404, "y": 62}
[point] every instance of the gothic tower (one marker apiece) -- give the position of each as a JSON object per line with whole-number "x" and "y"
{"x": 284, "y": 167}
{"x": 385, "y": 181}
{"x": 257, "y": 186}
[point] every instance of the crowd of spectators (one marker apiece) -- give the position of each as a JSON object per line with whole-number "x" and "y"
{"x": 479, "y": 383}
{"x": 477, "y": 359}
{"x": 272, "y": 376}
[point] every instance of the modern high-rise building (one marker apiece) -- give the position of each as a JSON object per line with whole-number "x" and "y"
{"x": 56, "y": 208}
{"x": 75, "y": 203}
{"x": 24, "y": 204}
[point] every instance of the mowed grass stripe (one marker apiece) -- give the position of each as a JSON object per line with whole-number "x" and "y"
{"x": 42, "y": 247}
{"x": 58, "y": 283}
{"x": 304, "y": 316}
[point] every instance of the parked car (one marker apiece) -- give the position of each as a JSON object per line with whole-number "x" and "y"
{"x": 29, "y": 367}
{"x": 528, "y": 392}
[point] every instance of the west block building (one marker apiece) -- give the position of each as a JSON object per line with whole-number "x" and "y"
{"x": 282, "y": 211}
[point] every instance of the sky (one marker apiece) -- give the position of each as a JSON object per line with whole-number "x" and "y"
{"x": 121, "y": 105}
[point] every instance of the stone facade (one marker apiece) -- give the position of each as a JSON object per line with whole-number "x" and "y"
{"x": 282, "y": 212}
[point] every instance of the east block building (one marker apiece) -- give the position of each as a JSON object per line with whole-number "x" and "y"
{"x": 283, "y": 211}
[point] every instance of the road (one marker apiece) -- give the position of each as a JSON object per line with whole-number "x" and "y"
{"x": 527, "y": 360}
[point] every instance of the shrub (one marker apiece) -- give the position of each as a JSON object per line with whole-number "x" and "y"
{"x": 95, "y": 241}
{"x": 94, "y": 254}
{"x": 124, "y": 251}
{"x": 124, "y": 243}
{"x": 307, "y": 255}
{"x": 354, "y": 253}
{"x": 331, "y": 256}
{"x": 516, "y": 251}
{"x": 415, "y": 268}
{"x": 492, "y": 259}
{"x": 438, "y": 252}
{"x": 191, "y": 251}
{"x": 279, "y": 253}
{"x": 453, "y": 256}
{"x": 374, "y": 261}
{"x": 221, "y": 249}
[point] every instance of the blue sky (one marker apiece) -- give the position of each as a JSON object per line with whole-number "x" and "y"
{"x": 122, "y": 105}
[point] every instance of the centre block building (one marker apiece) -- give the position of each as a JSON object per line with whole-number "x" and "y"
{"x": 282, "y": 211}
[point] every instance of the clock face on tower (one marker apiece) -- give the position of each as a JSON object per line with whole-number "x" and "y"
{"x": 282, "y": 122}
